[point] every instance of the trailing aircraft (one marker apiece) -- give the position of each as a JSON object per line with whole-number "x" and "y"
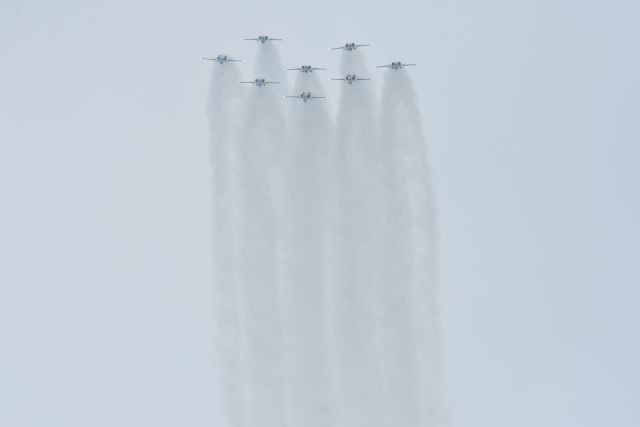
{"x": 350, "y": 46}
{"x": 221, "y": 59}
{"x": 396, "y": 65}
{"x": 305, "y": 96}
{"x": 260, "y": 82}
{"x": 305, "y": 69}
{"x": 350, "y": 78}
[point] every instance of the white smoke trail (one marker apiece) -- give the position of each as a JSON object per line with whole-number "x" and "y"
{"x": 409, "y": 317}
{"x": 261, "y": 147}
{"x": 307, "y": 371}
{"x": 354, "y": 266}
{"x": 224, "y": 112}
{"x": 324, "y": 254}
{"x": 269, "y": 65}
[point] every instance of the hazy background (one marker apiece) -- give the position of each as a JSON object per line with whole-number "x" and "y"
{"x": 531, "y": 110}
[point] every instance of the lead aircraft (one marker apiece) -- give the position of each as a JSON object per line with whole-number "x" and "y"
{"x": 349, "y": 46}
{"x": 263, "y": 39}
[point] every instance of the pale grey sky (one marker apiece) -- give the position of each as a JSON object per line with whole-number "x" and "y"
{"x": 531, "y": 110}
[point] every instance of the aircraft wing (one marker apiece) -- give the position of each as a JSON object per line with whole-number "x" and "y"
{"x": 337, "y": 79}
{"x": 383, "y": 66}
{"x": 294, "y": 69}
{"x": 362, "y": 45}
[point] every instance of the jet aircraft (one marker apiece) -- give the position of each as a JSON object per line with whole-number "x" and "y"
{"x": 305, "y": 96}
{"x": 305, "y": 69}
{"x": 263, "y": 39}
{"x": 396, "y": 65}
{"x": 350, "y": 78}
{"x": 221, "y": 59}
{"x": 349, "y": 46}
{"x": 260, "y": 82}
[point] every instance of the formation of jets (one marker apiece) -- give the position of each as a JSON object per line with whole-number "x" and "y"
{"x": 306, "y": 96}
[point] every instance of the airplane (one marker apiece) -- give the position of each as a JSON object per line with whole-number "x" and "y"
{"x": 305, "y": 96}
{"x": 261, "y": 82}
{"x": 350, "y": 46}
{"x": 221, "y": 59}
{"x": 396, "y": 65}
{"x": 264, "y": 39}
{"x": 305, "y": 69}
{"x": 350, "y": 78}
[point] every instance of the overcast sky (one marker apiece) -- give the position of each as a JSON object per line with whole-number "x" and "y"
{"x": 531, "y": 111}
